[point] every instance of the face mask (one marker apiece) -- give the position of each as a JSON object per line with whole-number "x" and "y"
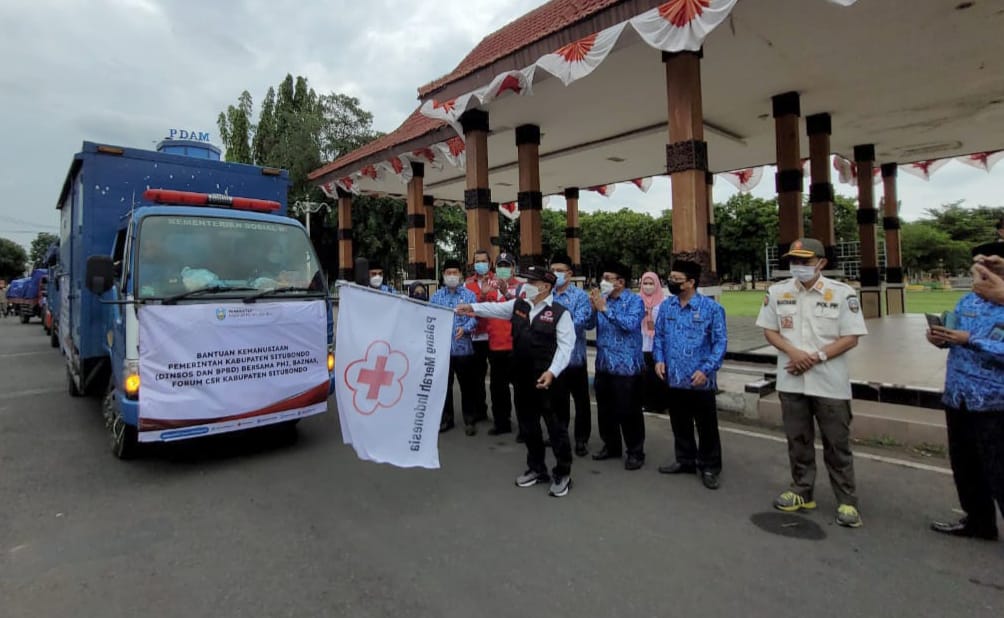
{"x": 420, "y": 295}
{"x": 803, "y": 273}
{"x": 481, "y": 268}
{"x": 376, "y": 281}
{"x": 561, "y": 279}
{"x": 606, "y": 287}
{"x": 648, "y": 288}
{"x": 675, "y": 288}
{"x": 451, "y": 281}
{"x": 504, "y": 272}
{"x": 531, "y": 291}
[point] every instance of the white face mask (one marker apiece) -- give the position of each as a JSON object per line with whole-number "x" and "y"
{"x": 451, "y": 281}
{"x": 376, "y": 281}
{"x": 648, "y": 288}
{"x": 803, "y": 273}
{"x": 606, "y": 287}
{"x": 531, "y": 291}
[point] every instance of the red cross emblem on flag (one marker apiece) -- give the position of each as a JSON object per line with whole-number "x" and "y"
{"x": 377, "y": 379}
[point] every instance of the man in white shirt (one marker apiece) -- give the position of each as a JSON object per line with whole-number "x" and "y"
{"x": 543, "y": 336}
{"x": 813, "y": 321}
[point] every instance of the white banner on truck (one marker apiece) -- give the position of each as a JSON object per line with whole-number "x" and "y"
{"x": 214, "y": 368}
{"x": 391, "y": 369}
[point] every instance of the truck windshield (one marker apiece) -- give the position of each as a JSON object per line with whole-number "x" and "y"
{"x": 178, "y": 254}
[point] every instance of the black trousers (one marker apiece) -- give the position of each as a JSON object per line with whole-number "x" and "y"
{"x": 654, "y": 389}
{"x": 834, "y": 419}
{"x": 618, "y": 413}
{"x": 976, "y": 451}
{"x": 689, "y": 408}
{"x": 480, "y": 370}
{"x": 532, "y": 405}
{"x": 463, "y": 368}
{"x": 500, "y": 362}
{"x": 574, "y": 382}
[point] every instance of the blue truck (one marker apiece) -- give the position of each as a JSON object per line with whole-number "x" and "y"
{"x": 188, "y": 300}
{"x": 27, "y": 297}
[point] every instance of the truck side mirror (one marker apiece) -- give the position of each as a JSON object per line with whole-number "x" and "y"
{"x": 100, "y": 274}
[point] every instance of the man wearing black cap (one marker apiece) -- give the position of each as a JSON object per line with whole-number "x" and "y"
{"x": 619, "y": 364}
{"x": 543, "y": 337}
{"x": 376, "y": 277}
{"x": 813, "y": 321}
{"x": 688, "y": 349}
{"x": 452, "y": 294}
{"x": 575, "y": 379}
{"x": 974, "y": 401}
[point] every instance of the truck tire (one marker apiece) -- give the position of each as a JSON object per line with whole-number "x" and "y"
{"x": 71, "y": 386}
{"x": 25, "y": 317}
{"x": 53, "y": 337}
{"x": 123, "y": 437}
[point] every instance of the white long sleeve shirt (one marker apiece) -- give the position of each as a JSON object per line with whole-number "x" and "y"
{"x": 565, "y": 327}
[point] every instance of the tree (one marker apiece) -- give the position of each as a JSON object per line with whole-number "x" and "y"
{"x": 235, "y": 130}
{"x": 746, "y": 225}
{"x": 379, "y": 232}
{"x": 13, "y": 260}
{"x": 925, "y": 249}
{"x": 972, "y": 226}
{"x": 39, "y": 246}
{"x": 346, "y": 125}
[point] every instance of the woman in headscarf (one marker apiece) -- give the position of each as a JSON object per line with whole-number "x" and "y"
{"x": 418, "y": 291}
{"x": 653, "y": 389}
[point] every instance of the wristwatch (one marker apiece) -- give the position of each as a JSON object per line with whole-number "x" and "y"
{"x": 822, "y": 356}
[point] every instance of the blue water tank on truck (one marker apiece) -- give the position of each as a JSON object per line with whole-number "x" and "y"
{"x": 151, "y": 236}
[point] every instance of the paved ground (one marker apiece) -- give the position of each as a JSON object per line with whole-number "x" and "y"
{"x": 247, "y": 526}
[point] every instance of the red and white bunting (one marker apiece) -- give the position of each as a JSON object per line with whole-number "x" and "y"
{"x": 580, "y": 58}
{"x": 745, "y": 180}
{"x": 604, "y": 190}
{"x": 681, "y": 25}
{"x": 847, "y": 171}
{"x": 924, "y": 169}
{"x": 452, "y": 151}
{"x": 982, "y": 160}
{"x": 643, "y": 183}
{"x": 510, "y": 210}
{"x": 516, "y": 82}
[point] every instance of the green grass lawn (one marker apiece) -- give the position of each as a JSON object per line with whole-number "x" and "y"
{"x": 928, "y": 301}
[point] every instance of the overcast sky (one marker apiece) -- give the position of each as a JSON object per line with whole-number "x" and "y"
{"x": 126, "y": 71}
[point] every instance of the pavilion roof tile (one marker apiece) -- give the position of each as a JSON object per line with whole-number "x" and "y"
{"x": 530, "y": 28}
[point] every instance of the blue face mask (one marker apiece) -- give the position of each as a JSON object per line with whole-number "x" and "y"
{"x": 561, "y": 279}
{"x": 481, "y": 268}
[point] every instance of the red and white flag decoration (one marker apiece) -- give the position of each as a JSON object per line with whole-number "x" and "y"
{"x": 604, "y": 190}
{"x": 847, "y": 171}
{"x": 580, "y": 58}
{"x": 680, "y": 25}
{"x": 510, "y": 210}
{"x": 643, "y": 183}
{"x": 515, "y": 82}
{"x": 745, "y": 180}
{"x": 982, "y": 160}
{"x": 452, "y": 150}
{"x": 924, "y": 169}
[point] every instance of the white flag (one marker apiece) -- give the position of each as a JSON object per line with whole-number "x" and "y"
{"x": 392, "y": 363}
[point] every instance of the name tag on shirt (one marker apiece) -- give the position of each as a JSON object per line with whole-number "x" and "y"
{"x": 997, "y": 334}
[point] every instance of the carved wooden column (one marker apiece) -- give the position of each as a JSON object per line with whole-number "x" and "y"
{"x": 818, "y": 127}
{"x": 346, "y": 263}
{"x": 530, "y": 200}
{"x": 788, "y": 181}
{"x": 416, "y": 222}
{"x": 687, "y": 161}
{"x": 429, "y": 237}
{"x": 477, "y": 197}
{"x": 573, "y": 233}
{"x": 895, "y": 293}
{"x": 871, "y": 287}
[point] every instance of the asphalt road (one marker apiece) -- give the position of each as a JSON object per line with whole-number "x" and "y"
{"x": 245, "y": 525}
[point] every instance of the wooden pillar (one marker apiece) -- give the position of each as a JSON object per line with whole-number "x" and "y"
{"x": 788, "y": 180}
{"x": 416, "y": 222}
{"x": 573, "y": 233}
{"x": 709, "y": 179}
{"x": 346, "y": 262}
{"x": 429, "y": 237}
{"x": 895, "y": 297}
{"x": 530, "y": 200}
{"x": 819, "y": 128}
{"x": 494, "y": 233}
{"x": 871, "y": 289}
{"x": 687, "y": 161}
{"x": 477, "y": 196}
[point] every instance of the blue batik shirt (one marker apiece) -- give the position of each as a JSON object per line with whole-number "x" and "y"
{"x": 618, "y": 335}
{"x": 974, "y": 376}
{"x": 690, "y": 338}
{"x": 445, "y": 297}
{"x": 576, "y": 300}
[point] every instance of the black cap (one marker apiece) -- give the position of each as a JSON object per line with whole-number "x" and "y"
{"x": 691, "y": 269}
{"x": 375, "y": 265}
{"x": 452, "y": 263}
{"x": 539, "y": 273}
{"x": 561, "y": 258}
{"x": 989, "y": 249}
{"x": 505, "y": 258}
{"x": 621, "y": 270}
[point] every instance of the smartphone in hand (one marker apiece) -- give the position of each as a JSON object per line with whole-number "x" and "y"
{"x": 934, "y": 320}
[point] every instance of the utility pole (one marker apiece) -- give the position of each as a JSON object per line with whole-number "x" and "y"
{"x": 308, "y": 208}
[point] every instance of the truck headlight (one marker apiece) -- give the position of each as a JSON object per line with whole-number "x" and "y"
{"x": 331, "y": 361}
{"x": 130, "y": 379}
